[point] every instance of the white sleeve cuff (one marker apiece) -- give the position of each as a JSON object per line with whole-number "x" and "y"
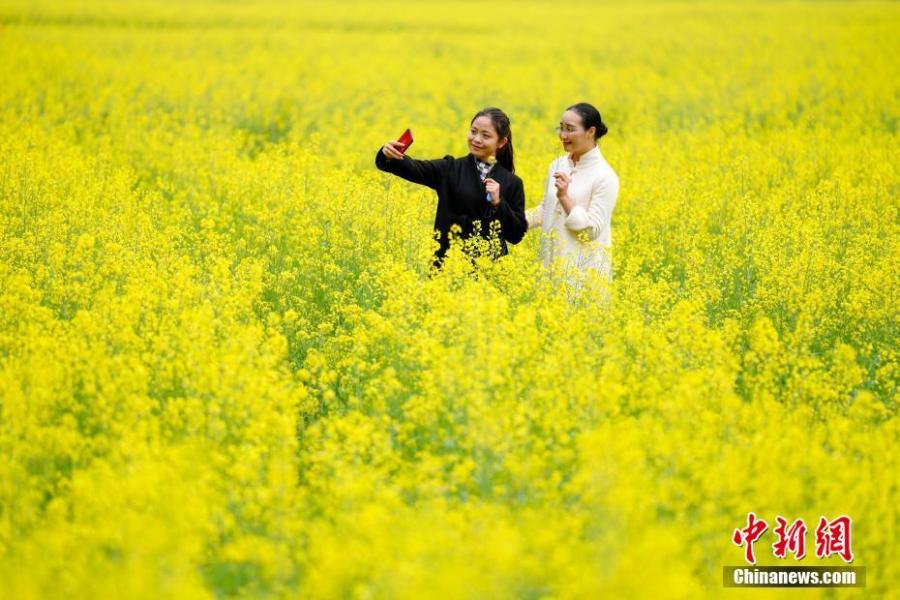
{"x": 577, "y": 219}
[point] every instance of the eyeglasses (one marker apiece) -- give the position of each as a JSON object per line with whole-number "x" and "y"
{"x": 567, "y": 129}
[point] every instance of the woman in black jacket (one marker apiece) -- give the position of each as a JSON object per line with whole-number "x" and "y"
{"x": 470, "y": 189}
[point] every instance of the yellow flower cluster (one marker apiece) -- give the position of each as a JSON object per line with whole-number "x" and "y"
{"x": 225, "y": 369}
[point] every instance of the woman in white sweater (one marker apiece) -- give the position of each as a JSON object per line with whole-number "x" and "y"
{"x": 579, "y": 196}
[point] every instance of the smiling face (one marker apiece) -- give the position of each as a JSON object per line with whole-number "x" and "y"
{"x": 483, "y": 139}
{"x": 574, "y": 137}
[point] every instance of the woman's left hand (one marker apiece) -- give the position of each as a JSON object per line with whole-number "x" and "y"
{"x": 493, "y": 188}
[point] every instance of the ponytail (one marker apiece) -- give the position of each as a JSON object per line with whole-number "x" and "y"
{"x": 505, "y": 155}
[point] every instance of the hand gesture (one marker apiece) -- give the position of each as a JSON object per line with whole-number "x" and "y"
{"x": 393, "y": 149}
{"x": 561, "y": 180}
{"x": 493, "y": 188}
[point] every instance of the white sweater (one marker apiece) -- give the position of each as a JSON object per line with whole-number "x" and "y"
{"x": 583, "y": 236}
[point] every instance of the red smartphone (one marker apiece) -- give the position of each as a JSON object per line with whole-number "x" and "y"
{"x": 406, "y": 139}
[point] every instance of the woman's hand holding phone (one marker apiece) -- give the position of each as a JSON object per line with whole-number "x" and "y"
{"x": 395, "y": 149}
{"x": 392, "y": 149}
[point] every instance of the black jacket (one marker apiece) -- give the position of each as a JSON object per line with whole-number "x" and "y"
{"x": 461, "y": 197}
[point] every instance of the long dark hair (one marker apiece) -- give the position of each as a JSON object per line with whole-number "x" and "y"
{"x": 501, "y": 123}
{"x": 590, "y": 117}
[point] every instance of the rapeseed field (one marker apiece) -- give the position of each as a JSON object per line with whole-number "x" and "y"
{"x": 226, "y": 370}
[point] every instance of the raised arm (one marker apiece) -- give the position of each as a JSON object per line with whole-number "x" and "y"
{"x": 423, "y": 172}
